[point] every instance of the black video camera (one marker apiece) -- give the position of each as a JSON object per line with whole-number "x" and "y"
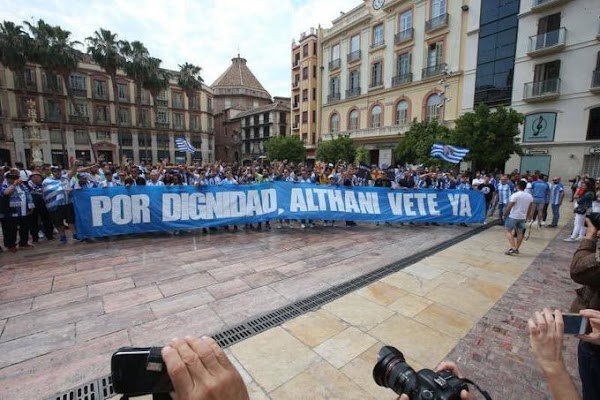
{"x": 595, "y": 218}
{"x": 140, "y": 371}
{"x": 392, "y": 371}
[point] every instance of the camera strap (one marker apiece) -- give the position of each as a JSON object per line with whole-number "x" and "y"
{"x": 485, "y": 394}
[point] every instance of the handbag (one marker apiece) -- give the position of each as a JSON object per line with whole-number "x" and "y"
{"x": 580, "y": 210}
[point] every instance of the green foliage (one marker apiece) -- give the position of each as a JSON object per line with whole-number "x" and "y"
{"x": 106, "y": 51}
{"x": 492, "y": 137}
{"x": 288, "y": 148}
{"x": 339, "y": 148}
{"x": 189, "y": 78}
{"x": 415, "y": 147}
{"x": 14, "y": 45}
{"x": 361, "y": 155}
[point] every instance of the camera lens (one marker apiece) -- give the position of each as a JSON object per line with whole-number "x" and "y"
{"x": 392, "y": 371}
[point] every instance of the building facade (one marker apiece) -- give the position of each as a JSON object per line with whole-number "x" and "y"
{"x": 260, "y": 124}
{"x": 386, "y": 63}
{"x": 306, "y": 84}
{"x": 99, "y": 127}
{"x": 557, "y": 87}
{"x": 236, "y": 90}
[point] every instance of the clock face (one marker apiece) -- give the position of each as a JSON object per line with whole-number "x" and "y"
{"x": 377, "y": 4}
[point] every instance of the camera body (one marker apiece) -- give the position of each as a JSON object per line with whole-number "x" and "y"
{"x": 393, "y": 372}
{"x": 595, "y": 218}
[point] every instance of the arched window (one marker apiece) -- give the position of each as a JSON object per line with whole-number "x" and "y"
{"x": 353, "y": 120}
{"x": 433, "y": 108}
{"x": 376, "y": 116}
{"x": 402, "y": 113}
{"x": 334, "y": 122}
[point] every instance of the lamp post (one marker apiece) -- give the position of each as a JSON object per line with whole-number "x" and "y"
{"x": 443, "y": 98}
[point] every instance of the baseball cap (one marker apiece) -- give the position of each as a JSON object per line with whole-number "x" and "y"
{"x": 332, "y": 176}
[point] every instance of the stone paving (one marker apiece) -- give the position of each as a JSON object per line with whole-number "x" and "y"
{"x": 65, "y": 309}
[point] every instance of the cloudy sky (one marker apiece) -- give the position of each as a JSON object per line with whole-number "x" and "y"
{"x": 207, "y": 33}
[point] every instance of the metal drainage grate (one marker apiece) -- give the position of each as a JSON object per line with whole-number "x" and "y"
{"x": 101, "y": 389}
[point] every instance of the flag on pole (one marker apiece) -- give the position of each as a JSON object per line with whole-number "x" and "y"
{"x": 452, "y": 154}
{"x": 184, "y": 145}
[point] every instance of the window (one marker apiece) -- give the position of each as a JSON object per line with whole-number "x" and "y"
{"x": 209, "y": 104}
{"x": 546, "y": 78}
{"x": 144, "y": 139}
{"x": 101, "y": 114}
{"x": 376, "y": 116}
{"x": 314, "y": 71}
{"x": 304, "y": 73}
{"x": 52, "y": 111}
{"x": 593, "y": 132}
{"x": 405, "y": 21}
{"x": 305, "y": 50}
{"x": 548, "y": 31}
{"x": 162, "y": 140}
{"x": 196, "y": 141}
{"x": 29, "y": 77}
{"x": 354, "y": 79}
{"x": 194, "y": 122}
{"x": 126, "y": 139}
{"x": 103, "y": 136}
{"x": 177, "y": 100}
{"x": 177, "y": 120}
{"x": 56, "y": 136}
{"x": 83, "y": 110}
{"x": 122, "y": 89}
{"x": 195, "y": 102}
{"x": 402, "y": 113}
{"x": 80, "y": 137}
{"x": 377, "y": 74}
{"x": 314, "y": 94}
{"x": 100, "y": 91}
{"x": 24, "y": 108}
{"x": 438, "y": 8}
{"x": 434, "y": 54}
{"x": 124, "y": 116}
{"x": 145, "y": 117}
{"x": 433, "y": 106}
{"x": 353, "y": 120}
{"x": 162, "y": 117}
{"x": 266, "y": 118}
{"x": 335, "y": 52}
{"x": 304, "y": 116}
{"x": 227, "y": 103}
{"x": 51, "y": 82}
{"x": 354, "y": 43}
{"x": 77, "y": 82}
{"x": 334, "y": 86}
{"x": 334, "y": 123}
{"x": 377, "y": 35}
{"x": 403, "y": 65}
{"x": 304, "y": 94}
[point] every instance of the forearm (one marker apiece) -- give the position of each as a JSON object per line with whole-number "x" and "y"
{"x": 561, "y": 385}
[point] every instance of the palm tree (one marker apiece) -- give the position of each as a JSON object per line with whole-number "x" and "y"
{"x": 156, "y": 82}
{"x": 14, "y": 49}
{"x": 190, "y": 81}
{"x": 106, "y": 51}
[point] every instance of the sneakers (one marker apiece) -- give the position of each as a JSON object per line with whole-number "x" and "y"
{"x": 510, "y": 252}
{"x": 569, "y": 239}
{"x": 543, "y": 223}
{"x": 302, "y": 226}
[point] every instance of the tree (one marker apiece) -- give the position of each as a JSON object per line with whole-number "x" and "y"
{"x": 415, "y": 147}
{"x": 106, "y": 51}
{"x": 190, "y": 80}
{"x": 289, "y": 148}
{"x": 361, "y": 155}
{"x": 157, "y": 81}
{"x": 14, "y": 47}
{"x": 339, "y": 148}
{"x": 492, "y": 137}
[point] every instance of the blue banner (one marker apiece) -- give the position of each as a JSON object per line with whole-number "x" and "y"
{"x": 137, "y": 209}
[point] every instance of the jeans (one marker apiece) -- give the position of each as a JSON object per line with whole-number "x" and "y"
{"x": 501, "y": 208}
{"x": 13, "y": 225}
{"x": 588, "y": 356}
{"x": 555, "y": 214}
{"x": 578, "y": 226}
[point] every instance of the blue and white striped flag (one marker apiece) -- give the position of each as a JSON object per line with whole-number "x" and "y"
{"x": 452, "y": 154}
{"x": 184, "y": 145}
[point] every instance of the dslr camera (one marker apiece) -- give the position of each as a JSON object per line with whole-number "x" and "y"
{"x": 595, "y": 218}
{"x": 392, "y": 371}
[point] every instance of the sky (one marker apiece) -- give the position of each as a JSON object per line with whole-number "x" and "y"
{"x": 207, "y": 33}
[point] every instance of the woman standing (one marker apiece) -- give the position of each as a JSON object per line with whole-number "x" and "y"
{"x": 584, "y": 206}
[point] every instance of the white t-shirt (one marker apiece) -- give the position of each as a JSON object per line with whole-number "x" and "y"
{"x": 521, "y": 201}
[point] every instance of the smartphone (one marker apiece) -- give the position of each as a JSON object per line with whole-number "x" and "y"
{"x": 138, "y": 371}
{"x": 575, "y": 324}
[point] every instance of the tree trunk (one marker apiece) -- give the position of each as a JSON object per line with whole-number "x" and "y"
{"x": 80, "y": 115}
{"x": 113, "y": 78}
{"x": 138, "y": 104}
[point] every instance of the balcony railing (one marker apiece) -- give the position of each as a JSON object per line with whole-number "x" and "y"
{"x": 296, "y": 125}
{"x": 102, "y": 121}
{"x": 333, "y": 97}
{"x": 404, "y": 36}
{"x": 547, "y": 42}
{"x": 162, "y": 102}
{"x": 83, "y": 119}
{"x": 354, "y": 56}
{"x": 295, "y": 106}
{"x": 376, "y": 83}
{"x": 378, "y": 44}
{"x": 334, "y": 64}
{"x": 539, "y": 5}
{"x": 542, "y": 90}
{"x": 100, "y": 96}
{"x": 178, "y": 127}
{"x": 433, "y": 70}
{"x": 353, "y": 92}
{"x": 295, "y": 85}
{"x": 52, "y": 87}
{"x": 296, "y": 64}
{"x": 402, "y": 79}
{"x": 596, "y": 80}
{"x": 79, "y": 92}
{"x": 52, "y": 117}
{"x": 21, "y": 83}
{"x": 178, "y": 104}
{"x": 394, "y": 130}
{"x": 162, "y": 124}
{"x": 438, "y": 22}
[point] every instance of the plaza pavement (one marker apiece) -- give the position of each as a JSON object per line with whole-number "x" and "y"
{"x": 151, "y": 289}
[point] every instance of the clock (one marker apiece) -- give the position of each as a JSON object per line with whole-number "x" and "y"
{"x": 377, "y": 4}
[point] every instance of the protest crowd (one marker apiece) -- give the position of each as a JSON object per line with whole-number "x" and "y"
{"x": 38, "y": 202}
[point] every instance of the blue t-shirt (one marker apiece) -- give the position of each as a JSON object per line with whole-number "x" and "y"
{"x": 539, "y": 189}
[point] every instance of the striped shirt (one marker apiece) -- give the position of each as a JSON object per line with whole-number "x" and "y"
{"x": 56, "y": 192}
{"x": 152, "y": 183}
{"x": 19, "y": 201}
{"x": 556, "y": 190}
{"x": 504, "y": 192}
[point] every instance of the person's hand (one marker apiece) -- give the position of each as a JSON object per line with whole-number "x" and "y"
{"x": 591, "y": 232}
{"x": 453, "y": 368}
{"x": 594, "y": 318}
{"x": 18, "y": 181}
{"x": 200, "y": 370}
{"x": 546, "y": 337}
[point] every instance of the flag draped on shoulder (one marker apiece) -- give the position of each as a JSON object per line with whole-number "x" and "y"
{"x": 452, "y": 154}
{"x": 184, "y": 145}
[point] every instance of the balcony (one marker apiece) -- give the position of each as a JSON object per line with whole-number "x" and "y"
{"x": 334, "y": 64}
{"x": 22, "y": 84}
{"x": 354, "y": 56}
{"x": 52, "y": 117}
{"x": 541, "y": 90}
{"x": 100, "y": 96}
{"x": 376, "y": 84}
{"x": 378, "y": 45}
{"x": 352, "y": 92}
{"x": 79, "y": 92}
{"x": 162, "y": 124}
{"x": 52, "y": 87}
{"x": 161, "y": 102}
{"x": 404, "y": 36}
{"x": 547, "y": 43}
{"x": 368, "y": 133}
{"x": 595, "y": 81}
{"x": 333, "y": 97}
{"x": 296, "y": 64}
{"x": 83, "y": 119}
{"x": 402, "y": 79}
{"x": 436, "y": 23}
{"x": 541, "y": 5}
{"x": 296, "y": 126}
{"x": 178, "y": 127}
{"x": 434, "y": 70}
{"x": 178, "y": 104}
{"x": 102, "y": 121}
{"x": 295, "y": 106}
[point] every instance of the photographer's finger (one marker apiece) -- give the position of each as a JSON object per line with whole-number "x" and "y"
{"x": 448, "y": 366}
{"x": 541, "y": 323}
{"x": 177, "y": 370}
{"x": 551, "y": 323}
{"x": 559, "y": 323}
{"x": 189, "y": 357}
{"x": 219, "y": 353}
{"x": 205, "y": 353}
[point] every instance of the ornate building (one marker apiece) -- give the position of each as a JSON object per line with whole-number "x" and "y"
{"x": 63, "y": 130}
